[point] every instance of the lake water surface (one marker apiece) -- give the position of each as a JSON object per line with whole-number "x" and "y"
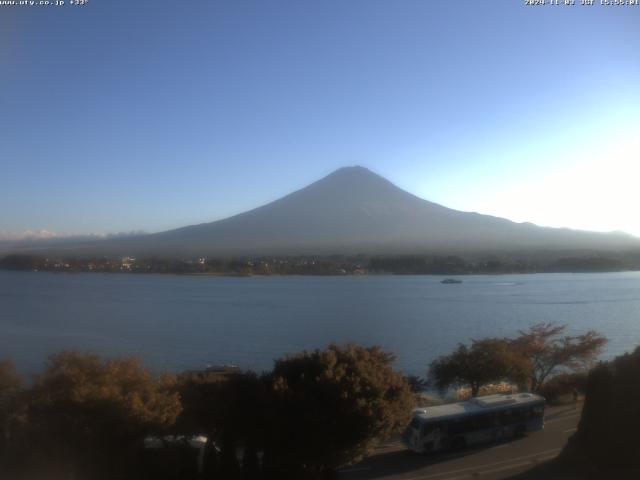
{"x": 180, "y": 322}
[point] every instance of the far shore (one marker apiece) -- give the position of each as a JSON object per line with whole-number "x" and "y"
{"x": 366, "y": 274}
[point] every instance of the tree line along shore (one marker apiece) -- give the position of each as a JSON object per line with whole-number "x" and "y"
{"x": 87, "y": 417}
{"x": 545, "y": 262}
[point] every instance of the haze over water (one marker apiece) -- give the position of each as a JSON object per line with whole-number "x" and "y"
{"x": 180, "y": 322}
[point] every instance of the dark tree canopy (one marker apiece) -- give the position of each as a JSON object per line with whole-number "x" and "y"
{"x": 87, "y": 417}
{"x": 230, "y": 410}
{"x": 10, "y": 405}
{"x": 330, "y": 407}
{"x": 549, "y": 351}
{"x": 607, "y": 435}
{"x": 486, "y": 361}
{"x": 416, "y": 383}
{"x": 10, "y": 381}
{"x": 20, "y": 262}
{"x": 89, "y": 414}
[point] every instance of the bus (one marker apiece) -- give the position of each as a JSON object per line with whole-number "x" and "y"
{"x": 481, "y": 419}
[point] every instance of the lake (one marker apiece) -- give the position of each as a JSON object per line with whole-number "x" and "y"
{"x": 180, "y": 322}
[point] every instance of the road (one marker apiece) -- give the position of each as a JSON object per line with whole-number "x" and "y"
{"x": 392, "y": 461}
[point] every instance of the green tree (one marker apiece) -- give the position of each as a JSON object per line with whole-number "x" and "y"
{"x": 330, "y": 407}
{"x": 486, "y": 361}
{"x": 550, "y": 352}
{"x": 88, "y": 416}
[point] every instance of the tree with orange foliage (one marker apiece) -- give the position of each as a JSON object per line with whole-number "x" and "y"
{"x": 91, "y": 415}
{"x": 550, "y": 352}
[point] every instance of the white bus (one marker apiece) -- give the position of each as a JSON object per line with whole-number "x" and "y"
{"x": 481, "y": 419}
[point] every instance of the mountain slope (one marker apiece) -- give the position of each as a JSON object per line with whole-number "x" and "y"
{"x": 353, "y": 210}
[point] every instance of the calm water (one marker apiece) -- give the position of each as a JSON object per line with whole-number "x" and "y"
{"x": 179, "y": 322}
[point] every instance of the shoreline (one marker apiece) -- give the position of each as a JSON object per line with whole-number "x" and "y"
{"x": 367, "y": 274}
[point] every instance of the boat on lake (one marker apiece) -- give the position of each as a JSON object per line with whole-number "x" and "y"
{"x": 448, "y": 281}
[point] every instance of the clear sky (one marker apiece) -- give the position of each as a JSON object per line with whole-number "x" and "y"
{"x": 147, "y": 115}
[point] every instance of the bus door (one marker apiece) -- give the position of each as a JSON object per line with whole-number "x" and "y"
{"x": 431, "y": 436}
{"x": 412, "y": 435}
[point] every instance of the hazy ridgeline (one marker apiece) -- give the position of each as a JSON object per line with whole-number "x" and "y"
{"x": 352, "y": 211}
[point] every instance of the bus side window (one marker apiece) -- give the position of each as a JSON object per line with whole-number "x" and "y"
{"x": 470, "y": 424}
{"x": 436, "y": 427}
{"x": 521, "y": 415}
{"x": 486, "y": 421}
{"x": 457, "y": 426}
{"x": 506, "y": 417}
{"x": 489, "y": 420}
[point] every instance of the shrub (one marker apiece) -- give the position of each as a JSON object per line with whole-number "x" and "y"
{"x": 564, "y": 388}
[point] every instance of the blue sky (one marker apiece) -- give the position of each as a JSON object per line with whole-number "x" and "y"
{"x": 143, "y": 115}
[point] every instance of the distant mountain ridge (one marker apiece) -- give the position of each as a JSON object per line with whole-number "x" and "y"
{"x": 353, "y": 210}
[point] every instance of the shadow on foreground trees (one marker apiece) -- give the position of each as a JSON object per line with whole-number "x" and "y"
{"x": 86, "y": 418}
{"x": 11, "y": 412}
{"x": 329, "y": 408}
{"x": 316, "y": 411}
{"x": 607, "y": 435}
{"x": 231, "y": 411}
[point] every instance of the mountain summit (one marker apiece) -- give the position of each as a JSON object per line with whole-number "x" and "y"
{"x": 354, "y": 210}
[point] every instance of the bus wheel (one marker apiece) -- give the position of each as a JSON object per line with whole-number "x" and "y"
{"x": 458, "y": 443}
